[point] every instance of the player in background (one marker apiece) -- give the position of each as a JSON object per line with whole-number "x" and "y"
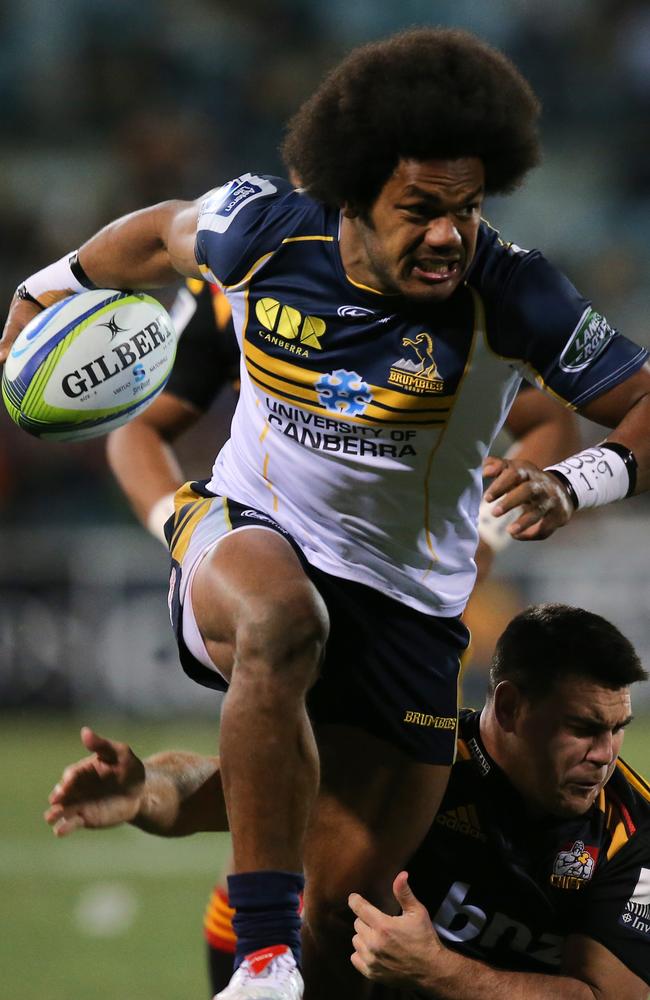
{"x": 543, "y": 432}
{"x": 140, "y": 452}
{"x": 141, "y": 457}
{"x": 319, "y": 575}
{"x": 535, "y": 875}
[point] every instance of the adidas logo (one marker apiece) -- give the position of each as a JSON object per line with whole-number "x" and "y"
{"x": 463, "y": 819}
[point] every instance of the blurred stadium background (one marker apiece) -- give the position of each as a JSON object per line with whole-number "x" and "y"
{"x": 107, "y": 105}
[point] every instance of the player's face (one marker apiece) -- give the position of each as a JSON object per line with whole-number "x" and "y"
{"x": 570, "y": 741}
{"x": 421, "y": 235}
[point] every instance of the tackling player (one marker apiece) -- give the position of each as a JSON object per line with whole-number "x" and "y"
{"x": 320, "y": 574}
{"x": 539, "y": 859}
{"x": 534, "y": 877}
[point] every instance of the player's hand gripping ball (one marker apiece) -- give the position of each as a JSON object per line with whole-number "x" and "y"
{"x": 88, "y": 364}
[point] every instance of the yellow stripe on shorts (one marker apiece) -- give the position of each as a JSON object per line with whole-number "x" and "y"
{"x": 190, "y": 510}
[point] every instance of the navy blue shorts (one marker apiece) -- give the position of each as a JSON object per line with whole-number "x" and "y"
{"x": 388, "y": 669}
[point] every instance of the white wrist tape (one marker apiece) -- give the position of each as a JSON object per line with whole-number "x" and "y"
{"x": 161, "y": 511}
{"x": 597, "y": 475}
{"x": 493, "y": 530}
{"x": 57, "y": 280}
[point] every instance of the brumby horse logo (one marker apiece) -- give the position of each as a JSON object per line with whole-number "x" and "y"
{"x": 419, "y": 375}
{"x": 423, "y": 347}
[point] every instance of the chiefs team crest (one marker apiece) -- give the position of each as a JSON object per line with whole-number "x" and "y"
{"x": 574, "y": 866}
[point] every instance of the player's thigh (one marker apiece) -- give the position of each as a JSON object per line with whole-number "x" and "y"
{"x": 375, "y": 806}
{"x": 390, "y": 671}
{"x": 385, "y": 712}
{"x": 252, "y": 601}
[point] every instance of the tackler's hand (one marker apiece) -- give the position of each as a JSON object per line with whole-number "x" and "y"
{"x": 99, "y": 791}
{"x": 397, "y": 951}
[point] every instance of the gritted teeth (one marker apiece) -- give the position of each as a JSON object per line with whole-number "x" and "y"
{"x": 437, "y": 266}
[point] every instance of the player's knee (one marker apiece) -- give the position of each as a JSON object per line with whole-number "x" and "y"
{"x": 330, "y": 921}
{"x": 328, "y": 891}
{"x": 283, "y": 638}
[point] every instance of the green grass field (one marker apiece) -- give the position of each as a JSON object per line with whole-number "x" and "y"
{"x": 97, "y": 916}
{"x": 116, "y": 914}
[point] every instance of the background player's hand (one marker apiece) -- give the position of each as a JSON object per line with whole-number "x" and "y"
{"x": 398, "y": 951}
{"x": 544, "y": 501}
{"x": 102, "y": 790}
{"x": 21, "y": 311}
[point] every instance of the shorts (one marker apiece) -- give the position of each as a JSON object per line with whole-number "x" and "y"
{"x": 388, "y": 669}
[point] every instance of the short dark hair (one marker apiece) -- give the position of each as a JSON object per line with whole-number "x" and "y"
{"x": 427, "y": 93}
{"x": 547, "y": 642}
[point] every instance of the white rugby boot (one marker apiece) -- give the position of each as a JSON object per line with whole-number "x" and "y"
{"x": 268, "y": 974}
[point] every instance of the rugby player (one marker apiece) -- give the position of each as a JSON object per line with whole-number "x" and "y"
{"x": 535, "y": 875}
{"x": 142, "y": 459}
{"x": 320, "y": 574}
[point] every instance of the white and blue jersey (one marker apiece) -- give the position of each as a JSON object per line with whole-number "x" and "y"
{"x": 364, "y": 419}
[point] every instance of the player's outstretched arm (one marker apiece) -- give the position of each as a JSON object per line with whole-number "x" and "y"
{"x": 146, "y": 249}
{"x": 102, "y": 790}
{"x": 406, "y": 952}
{"x": 141, "y": 453}
{"x": 144, "y": 463}
{"x": 172, "y": 793}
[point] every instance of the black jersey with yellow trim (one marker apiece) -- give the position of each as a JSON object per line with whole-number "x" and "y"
{"x": 510, "y": 889}
{"x": 207, "y": 354}
{"x": 258, "y": 233}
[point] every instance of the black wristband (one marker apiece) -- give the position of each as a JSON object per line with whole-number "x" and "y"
{"x": 26, "y": 296}
{"x": 628, "y": 458}
{"x": 79, "y": 273}
{"x": 573, "y": 496}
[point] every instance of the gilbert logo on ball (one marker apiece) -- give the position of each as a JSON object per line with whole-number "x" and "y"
{"x": 88, "y": 364}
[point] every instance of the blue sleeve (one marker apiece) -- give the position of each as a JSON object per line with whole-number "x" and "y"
{"x": 537, "y": 318}
{"x": 239, "y": 224}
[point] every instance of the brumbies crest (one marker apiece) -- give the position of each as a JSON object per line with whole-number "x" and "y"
{"x": 417, "y": 371}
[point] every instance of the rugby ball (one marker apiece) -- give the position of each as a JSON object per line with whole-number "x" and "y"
{"x": 88, "y": 363}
